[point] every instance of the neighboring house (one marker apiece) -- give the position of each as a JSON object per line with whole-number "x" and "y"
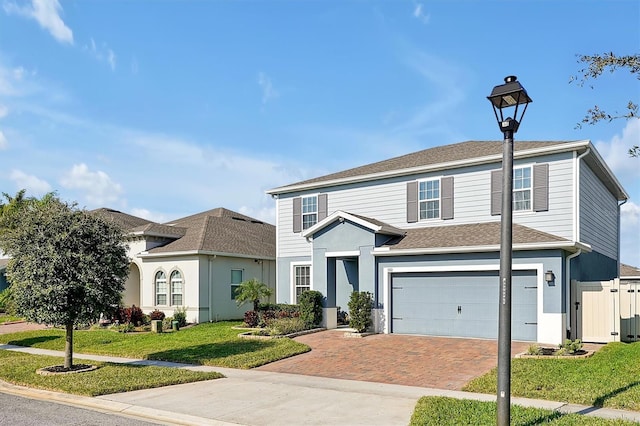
{"x": 629, "y": 273}
{"x": 421, "y": 232}
{"x": 3, "y": 276}
{"x": 195, "y": 262}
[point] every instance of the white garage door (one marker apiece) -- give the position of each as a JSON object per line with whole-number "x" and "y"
{"x": 462, "y": 304}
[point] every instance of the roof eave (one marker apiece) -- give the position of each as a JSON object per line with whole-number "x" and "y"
{"x": 560, "y": 147}
{"x": 204, "y": 252}
{"x": 571, "y": 246}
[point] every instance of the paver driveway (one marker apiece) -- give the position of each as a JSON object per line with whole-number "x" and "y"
{"x": 435, "y": 362}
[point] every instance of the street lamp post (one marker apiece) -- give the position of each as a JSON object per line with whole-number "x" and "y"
{"x": 509, "y": 95}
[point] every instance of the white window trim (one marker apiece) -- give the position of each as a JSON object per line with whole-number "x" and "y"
{"x": 292, "y": 278}
{"x": 302, "y": 213}
{"x": 513, "y": 190}
{"x": 439, "y": 179}
{"x": 155, "y": 288}
{"x": 170, "y": 287}
{"x": 231, "y": 283}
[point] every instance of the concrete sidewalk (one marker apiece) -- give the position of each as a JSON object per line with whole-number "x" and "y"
{"x": 250, "y": 397}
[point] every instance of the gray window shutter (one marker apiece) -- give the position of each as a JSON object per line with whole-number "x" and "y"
{"x": 541, "y": 187}
{"x": 322, "y": 207}
{"x": 496, "y": 192}
{"x": 447, "y": 197}
{"x": 412, "y": 202}
{"x": 297, "y": 214}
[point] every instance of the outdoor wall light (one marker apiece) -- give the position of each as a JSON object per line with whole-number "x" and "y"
{"x": 503, "y": 98}
{"x": 549, "y": 277}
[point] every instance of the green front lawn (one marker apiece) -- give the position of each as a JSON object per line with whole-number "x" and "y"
{"x": 8, "y": 318}
{"x": 20, "y": 369}
{"x": 441, "y": 411}
{"x": 610, "y": 378}
{"x": 215, "y": 344}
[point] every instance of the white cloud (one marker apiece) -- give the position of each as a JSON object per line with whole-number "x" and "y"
{"x": 3, "y": 141}
{"x": 630, "y": 235}
{"x": 32, "y": 184}
{"x": 268, "y": 91}
{"x": 615, "y": 153}
{"x": 102, "y": 53}
{"x": 418, "y": 12}
{"x": 149, "y": 215}
{"x": 47, "y": 14}
{"x": 97, "y": 187}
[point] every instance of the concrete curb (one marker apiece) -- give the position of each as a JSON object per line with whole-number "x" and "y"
{"x": 106, "y": 406}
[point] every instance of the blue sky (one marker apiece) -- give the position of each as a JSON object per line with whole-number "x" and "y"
{"x": 168, "y": 108}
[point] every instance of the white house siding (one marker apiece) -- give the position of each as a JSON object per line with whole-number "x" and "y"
{"x": 188, "y": 266}
{"x": 598, "y": 214}
{"x": 385, "y": 200}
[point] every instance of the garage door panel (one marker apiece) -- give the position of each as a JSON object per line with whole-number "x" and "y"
{"x": 463, "y": 304}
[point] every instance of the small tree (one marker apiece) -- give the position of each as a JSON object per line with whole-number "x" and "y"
{"x": 66, "y": 267}
{"x": 360, "y": 306}
{"x": 310, "y": 303}
{"x": 252, "y": 291}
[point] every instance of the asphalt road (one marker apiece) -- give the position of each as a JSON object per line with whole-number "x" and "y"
{"x": 20, "y": 411}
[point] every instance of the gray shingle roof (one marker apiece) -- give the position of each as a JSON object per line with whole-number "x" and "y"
{"x": 125, "y": 221}
{"x": 471, "y": 235}
{"x": 219, "y": 230}
{"x": 223, "y": 231}
{"x": 629, "y": 271}
{"x": 431, "y": 156}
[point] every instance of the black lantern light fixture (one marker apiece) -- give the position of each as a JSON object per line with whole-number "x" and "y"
{"x": 504, "y": 98}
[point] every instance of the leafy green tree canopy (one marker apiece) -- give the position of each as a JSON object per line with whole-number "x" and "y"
{"x": 596, "y": 65}
{"x": 66, "y": 265}
{"x": 252, "y": 291}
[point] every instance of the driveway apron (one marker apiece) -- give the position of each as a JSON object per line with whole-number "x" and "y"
{"x": 435, "y": 362}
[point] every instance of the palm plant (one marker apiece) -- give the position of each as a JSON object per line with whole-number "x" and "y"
{"x": 252, "y": 291}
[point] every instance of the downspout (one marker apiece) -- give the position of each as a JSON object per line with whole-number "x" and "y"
{"x": 576, "y": 234}
{"x": 567, "y": 280}
{"x": 619, "y": 232}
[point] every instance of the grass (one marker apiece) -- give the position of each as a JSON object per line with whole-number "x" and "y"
{"x": 214, "y": 344}
{"x": 610, "y": 378}
{"x": 448, "y": 411}
{"x": 8, "y": 318}
{"x": 20, "y": 369}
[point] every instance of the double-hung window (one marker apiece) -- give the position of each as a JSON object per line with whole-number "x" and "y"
{"x": 429, "y": 199}
{"x": 161, "y": 288}
{"x": 309, "y": 211}
{"x": 236, "y": 279}
{"x": 522, "y": 189}
{"x": 176, "y": 288}
{"x": 301, "y": 279}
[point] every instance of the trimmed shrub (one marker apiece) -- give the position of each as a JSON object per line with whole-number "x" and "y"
{"x": 132, "y": 315}
{"x": 157, "y": 315}
{"x": 279, "y": 307}
{"x": 360, "y": 306}
{"x": 251, "y": 319}
{"x": 6, "y": 301}
{"x": 569, "y": 347}
{"x": 180, "y": 315}
{"x": 310, "y": 303}
{"x": 284, "y": 326}
{"x": 265, "y": 318}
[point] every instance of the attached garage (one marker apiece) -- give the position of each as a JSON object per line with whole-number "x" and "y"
{"x": 461, "y": 304}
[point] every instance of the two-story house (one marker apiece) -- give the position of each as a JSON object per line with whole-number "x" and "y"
{"x": 421, "y": 232}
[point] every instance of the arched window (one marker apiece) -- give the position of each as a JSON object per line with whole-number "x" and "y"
{"x": 161, "y": 288}
{"x": 176, "y": 288}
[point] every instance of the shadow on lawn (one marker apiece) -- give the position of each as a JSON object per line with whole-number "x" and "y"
{"x": 599, "y": 401}
{"x": 211, "y": 351}
{"x": 31, "y": 341}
